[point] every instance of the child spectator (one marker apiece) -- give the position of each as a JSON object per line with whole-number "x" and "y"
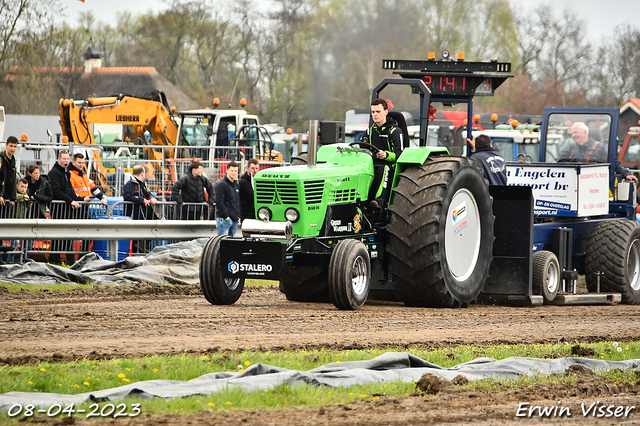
{"x": 20, "y": 210}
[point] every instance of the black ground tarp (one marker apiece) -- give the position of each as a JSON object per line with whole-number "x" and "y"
{"x": 170, "y": 264}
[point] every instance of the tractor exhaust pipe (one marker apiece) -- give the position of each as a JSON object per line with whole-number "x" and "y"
{"x": 252, "y": 228}
{"x": 313, "y": 144}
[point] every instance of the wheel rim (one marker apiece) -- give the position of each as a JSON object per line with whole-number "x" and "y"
{"x": 553, "y": 275}
{"x": 462, "y": 234}
{"x": 633, "y": 265}
{"x": 359, "y": 276}
{"x": 232, "y": 283}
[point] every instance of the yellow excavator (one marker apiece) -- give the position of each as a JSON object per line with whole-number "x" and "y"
{"x": 146, "y": 113}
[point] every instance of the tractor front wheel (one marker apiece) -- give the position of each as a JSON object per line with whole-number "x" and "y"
{"x": 349, "y": 275}
{"x": 216, "y": 289}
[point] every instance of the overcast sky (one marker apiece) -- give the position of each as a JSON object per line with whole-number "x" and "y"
{"x": 601, "y": 16}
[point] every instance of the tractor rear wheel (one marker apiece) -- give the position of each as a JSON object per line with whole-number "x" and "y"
{"x": 349, "y": 275}
{"x": 441, "y": 232}
{"x": 304, "y": 283}
{"x": 546, "y": 274}
{"x": 216, "y": 289}
{"x": 614, "y": 250}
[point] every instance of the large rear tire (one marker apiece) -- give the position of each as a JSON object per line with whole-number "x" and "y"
{"x": 216, "y": 289}
{"x": 349, "y": 275}
{"x": 546, "y": 274}
{"x": 441, "y": 232}
{"x": 614, "y": 250}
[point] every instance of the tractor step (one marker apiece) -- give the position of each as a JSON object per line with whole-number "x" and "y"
{"x": 588, "y": 299}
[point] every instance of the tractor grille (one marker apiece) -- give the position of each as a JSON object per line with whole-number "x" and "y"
{"x": 343, "y": 196}
{"x": 272, "y": 192}
{"x": 313, "y": 190}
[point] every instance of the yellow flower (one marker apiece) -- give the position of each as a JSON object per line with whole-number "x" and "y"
{"x": 376, "y": 397}
{"x": 266, "y": 390}
{"x": 59, "y": 384}
{"x": 350, "y": 393}
{"x": 30, "y": 382}
{"x": 337, "y": 362}
{"x": 288, "y": 362}
{"x": 43, "y": 369}
{"x": 128, "y": 369}
{"x": 198, "y": 400}
{"x": 228, "y": 403}
{"x": 329, "y": 392}
{"x": 363, "y": 396}
{"x": 121, "y": 375}
{"x": 247, "y": 363}
{"x": 86, "y": 383}
{"x": 211, "y": 404}
{"x": 126, "y": 380}
{"x": 241, "y": 370}
{"x": 155, "y": 370}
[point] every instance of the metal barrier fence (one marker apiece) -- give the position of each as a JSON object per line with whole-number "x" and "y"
{"x": 90, "y": 217}
{"x": 111, "y": 165}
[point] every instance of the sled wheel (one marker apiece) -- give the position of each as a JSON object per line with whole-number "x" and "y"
{"x": 216, "y": 289}
{"x": 441, "y": 232}
{"x": 614, "y": 250}
{"x": 546, "y": 274}
{"x": 349, "y": 275}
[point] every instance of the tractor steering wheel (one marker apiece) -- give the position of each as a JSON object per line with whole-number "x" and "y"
{"x": 374, "y": 150}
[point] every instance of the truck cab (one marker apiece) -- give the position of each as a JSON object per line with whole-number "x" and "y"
{"x": 201, "y": 129}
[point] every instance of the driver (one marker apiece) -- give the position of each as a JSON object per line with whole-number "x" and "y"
{"x": 385, "y": 135}
{"x": 587, "y": 150}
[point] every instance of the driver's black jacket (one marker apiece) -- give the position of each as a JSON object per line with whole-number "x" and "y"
{"x": 387, "y": 137}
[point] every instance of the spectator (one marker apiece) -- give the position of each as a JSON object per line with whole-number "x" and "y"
{"x": 190, "y": 188}
{"x": 9, "y": 188}
{"x": 85, "y": 188}
{"x": 492, "y": 163}
{"x": 82, "y": 185}
{"x": 135, "y": 191}
{"x": 247, "y": 204}
{"x": 61, "y": 189}
{"x": 39, "y": 191}
{"x": 228, "y": 201}
{"x": 21, "y": 206}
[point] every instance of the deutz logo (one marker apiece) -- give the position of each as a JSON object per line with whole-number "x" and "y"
{"x": 276, "y": 199}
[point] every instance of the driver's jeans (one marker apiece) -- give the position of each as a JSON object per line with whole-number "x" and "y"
{"x": 381, "y": 185}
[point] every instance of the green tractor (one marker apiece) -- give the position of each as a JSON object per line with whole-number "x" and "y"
{"x": 318, "y": 236}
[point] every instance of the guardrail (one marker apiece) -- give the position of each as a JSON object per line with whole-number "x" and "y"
{"x": 25, "y": 231}
{"x": 111, "y": 230}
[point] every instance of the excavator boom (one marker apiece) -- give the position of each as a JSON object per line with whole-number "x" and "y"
{"x": 149, "y": 112}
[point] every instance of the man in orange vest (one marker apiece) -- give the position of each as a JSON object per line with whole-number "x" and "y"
{"x": 83, "y": 187}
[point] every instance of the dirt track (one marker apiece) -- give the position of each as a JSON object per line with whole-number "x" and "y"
{"x": 116, "y": 322}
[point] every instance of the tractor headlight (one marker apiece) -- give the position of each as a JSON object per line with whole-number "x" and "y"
{"x": 292, "y": 215}
{"x": 264, "y": 214}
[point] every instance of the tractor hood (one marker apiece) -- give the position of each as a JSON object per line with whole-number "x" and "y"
{"x": 345, "y": 178}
